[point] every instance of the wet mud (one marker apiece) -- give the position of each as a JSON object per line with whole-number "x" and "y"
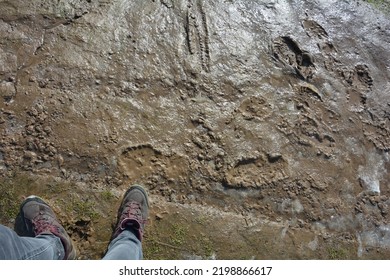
{"x": 261, "y": 129}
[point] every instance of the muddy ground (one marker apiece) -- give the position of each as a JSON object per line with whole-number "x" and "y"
{"x": 261, "y": 129}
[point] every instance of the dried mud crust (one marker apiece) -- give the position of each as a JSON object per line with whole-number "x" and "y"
{"x": 283, "y": 149}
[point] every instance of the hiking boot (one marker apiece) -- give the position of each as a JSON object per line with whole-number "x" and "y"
{"x": 36, "y": 217}
{"x": 133, "y": 212}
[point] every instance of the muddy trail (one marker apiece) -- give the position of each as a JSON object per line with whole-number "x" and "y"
{"x": 261, "y": 129}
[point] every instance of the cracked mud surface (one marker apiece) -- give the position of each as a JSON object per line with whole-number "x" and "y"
{"x": 261, "y": 129}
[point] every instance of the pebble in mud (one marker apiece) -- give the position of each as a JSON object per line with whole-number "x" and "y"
{"x": 30, "y": 156}
{"x": 7, "y": 91}
{"x": 274, "y": 157}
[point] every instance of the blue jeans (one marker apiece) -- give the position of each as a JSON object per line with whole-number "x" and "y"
{"x": 49, "y": 247}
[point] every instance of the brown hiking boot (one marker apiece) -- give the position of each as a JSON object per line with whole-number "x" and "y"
{"x": 133, "y": 212}
{"x": 36, "y": 217}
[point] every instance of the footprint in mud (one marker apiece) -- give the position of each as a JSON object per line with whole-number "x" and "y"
{"x": 287, "y": 51}
{"x": 313, "y": 29}
{"x": 362, "y": 77}
{"x": 136, "y": 161}
{"x": 359, "y": 83}
{"x": 140, "y": 162}
{"x": 309, "y": 127}
{"x": 198, "y": 33}
{"x": 358, "y": 79}
{"x": 318, "y": 33}
{"x": 307, "y": 91}
{"x": 255, "y": 108}
{"x": 260, "y": 172}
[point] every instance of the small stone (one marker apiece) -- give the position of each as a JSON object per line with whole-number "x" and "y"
{"x": 60, "y": 160}
{"x": 7, "y": 90}
{"x": 47, "y": 129}
{"x": 274, "y": 157}
{"x": 52, "y": 150}
{"x": 45, "y": 158}
{"x": 33, "y": 112}
{"x": 38, "y": 128}
{"x": 30, "y": 129}
{"x": 29, "y": 155}
{"x": 159, "y": 216}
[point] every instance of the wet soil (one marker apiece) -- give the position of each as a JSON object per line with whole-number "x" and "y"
{"x": 261, "y": 129}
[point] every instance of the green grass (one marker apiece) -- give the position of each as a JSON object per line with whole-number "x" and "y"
{"x": 9, "y": 203}
{"x": 179, "y": 234}
{"x": 153, "y": 249}
{"x": 201, "y": 220}
{"x": 107, "y": 195}
{"x": 382, "y": 5}
{"x": 337, "y": 254}
{"x": 81, "y": 208}
{"x": 206, "y": 246}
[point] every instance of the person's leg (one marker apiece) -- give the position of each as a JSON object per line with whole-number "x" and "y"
{"x": 41, "y": 247}
{"x": 126, "y": 246}
{"x": 132, "y": 214}
{"x": 38, "y": 234}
